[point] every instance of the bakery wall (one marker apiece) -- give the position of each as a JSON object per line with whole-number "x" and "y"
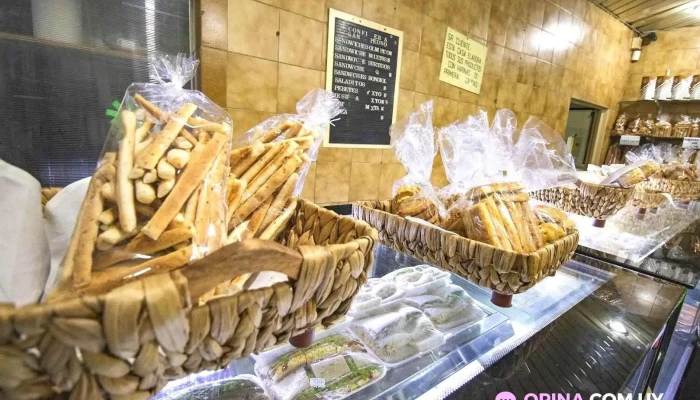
{"x": 677, "y": 50}
{"x": 260, "y": 57}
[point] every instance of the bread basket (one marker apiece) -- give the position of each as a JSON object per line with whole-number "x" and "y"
{"x": 679, "y": 190}
{"x": 504, "y": 272}
{"x": 130, "y": 341}
{"x": 591, "y": 200}
{"x": 648, "y": 200}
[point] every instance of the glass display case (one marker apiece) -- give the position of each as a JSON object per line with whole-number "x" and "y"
{"x": 664, "y": 243}
{"x": 583, "y": 330}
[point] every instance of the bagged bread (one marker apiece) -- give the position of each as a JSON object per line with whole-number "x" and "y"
{"x": 24, "y": 264}
{"x": 156, "y": 199}
{"x": 413, "y": 140}
{"x": 491, "y": 168}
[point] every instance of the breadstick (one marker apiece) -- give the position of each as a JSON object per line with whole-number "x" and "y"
{"x": 194, "y": 122}
{"x": 142, "y": 244}
{"x": 234, "y": 194}
{"x": 531, "y": 221}
{"x": 276, "y": 131}
{"x": 294, "y": 130}
{"x": 203, "y": 137}
{"x": 107, "y": 191}
{"x": 305, "y": 142}
{"x": 125, "y": 162}
{"x": 245, "y": 157}
{"x": 269, "y": 169}
{"x": 203, "y": 124}
{"x": 275, "y": 181}
{"x": 142, "y": 131}
{"x": 108, "y": 216}
{"x": 263, "y": 161}
{"x": 182, "y": 143}
{"x": 236, "y": 234}
{"x": 138, "y": 148}
{"x": 110, "y": 278}
{"x": 104, "y": 259}
{"x": 276, "y": 208}
{"x": 149, "y": 107}
{"x": 188, "y": 136}
{"x": 279, "y": 223}
{"x": 191, "y": 207}
{"x": 256, "y": 219}
{"x": 200, "y": 163}
{"x": 201, "y": 220}
{"x": 162, "y": 140}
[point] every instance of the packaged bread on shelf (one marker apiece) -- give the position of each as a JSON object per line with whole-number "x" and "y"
{"x": 491, "y": 169}
{"x": 156, "y": 199}
{"x": 683, "y": 127}
{"x": 413, "y": 140}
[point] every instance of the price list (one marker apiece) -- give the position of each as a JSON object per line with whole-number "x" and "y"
{"x": 362, "y": 73}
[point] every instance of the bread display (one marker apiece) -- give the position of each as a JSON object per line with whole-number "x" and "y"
{"x": 630, "y": 178}
{"x": 408, "y": 202}
{"x": 649, "y": 168}
{"x": 662, "y": 129}
{"x": 682, "y": 129}
{"x": 678, "y": 171}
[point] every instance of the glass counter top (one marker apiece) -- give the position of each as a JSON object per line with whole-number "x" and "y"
{"x": 559, "y": 335}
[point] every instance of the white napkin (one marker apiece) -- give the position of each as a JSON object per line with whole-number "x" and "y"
{"x": 60, "y": 216}
{"x": 24, "y": 264}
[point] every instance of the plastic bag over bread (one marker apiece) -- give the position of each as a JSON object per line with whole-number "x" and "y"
{"x": 156, "y": 199}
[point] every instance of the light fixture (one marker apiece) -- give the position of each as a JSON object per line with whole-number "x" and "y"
{"x": 636, "y": 54}
{"x": 617, "y": 327}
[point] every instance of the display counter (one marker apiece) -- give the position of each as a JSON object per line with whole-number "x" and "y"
{"x": 585, "y": 330}
{"x": 664, "y": 242}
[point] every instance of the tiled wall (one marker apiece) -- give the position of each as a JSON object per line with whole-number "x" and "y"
{"x": 677, "y": 50}
{"x": 260, "y": 57}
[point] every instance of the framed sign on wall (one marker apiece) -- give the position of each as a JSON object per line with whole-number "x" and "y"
{"x": 463, "y": 61}
{"x": 363, "y": 68}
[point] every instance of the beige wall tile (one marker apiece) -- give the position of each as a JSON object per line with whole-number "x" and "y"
{"x": 405, "y": 103}
{"x": 522, "y": 98}
{"x": 547, "y": 44}
{"x": 294, "y": 83}
{"x": 252, "y": 29}
{"x": 251, "y": 83}
{"x": 364, "y": 181}
{"x": 433, "y": 37}
{"x": 438, "y": 9}
{"x": 466, "y": 96}
{"x": 542, "y": 73}
{"x": 535, "y": 13}
{"x": 494, "y": 60}
{"x": 409, "y": 69}
{"x": 498, "y": 27}
{"x": 446, "y": 112}
{"x": 531, "y": 41}
{"x": 388, "y": 157}
{"x": 538, "y": 99}
{"x": 551, "y": 17}
{"x": 334, "y": 154}
{"x": 511, "y": 65}
{"x": 309, "y": 8}
{"x": 373, "y": 156}
{"x": 420, "y": 98}
{"x": 479, "y": 13}
{"x": 506, "y": 94}
{"x": 556, "y": 78}
{"x": 215, "y": 18}
{"x": 353, "y": 7}
{"x": 301, "y": 41}
{"x": 379, "y": 11}
{"x": 428, "y": 77}
{"x": 214, "y": 74}
{"x": 307, "y": 192}
{"x": 416, "y": 4}
{"x": 489, "y": 91}
{"x": 515, "y": 34}
{"x": 409, "y": 20}
{"x": 244, "y": 120}
{"x": 389, "y": 174}
{"x": 467, "y": 109}
{"x": 526, "y": 70}
{"x": 332, "y": 182}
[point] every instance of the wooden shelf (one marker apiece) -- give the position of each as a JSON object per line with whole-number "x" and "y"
{"x": 94, "y": 50}
{"x": 652, "y": 137}
{"x": 660, "y": 102}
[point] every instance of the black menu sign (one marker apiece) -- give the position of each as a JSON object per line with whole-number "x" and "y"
{"x": 364, "y": 60}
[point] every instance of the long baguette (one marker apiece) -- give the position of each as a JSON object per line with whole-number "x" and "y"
{"x": 195, "y": 171}
{"x": 125, "y": 162}
{"x": 149, "y": 157}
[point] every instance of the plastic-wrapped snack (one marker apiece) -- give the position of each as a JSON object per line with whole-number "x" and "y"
{"x": 331, "y": 368}
{"x": 447, "y": 307}
{"x": 398, "y": 334}
{"x": 155, "y": 201}
{"x": 553, "y": 223}
{"x": 633, "y": 126}
{"x": 375, "y": 293}
{"x": 620, "y": 122}
{"x": 269, "y": 164}
{"x": 648, "y": 126}
{"x": 683, "y": 127}
{"x": 663, "y": 127}
{"x": 413, "y": 141}
{"x": 418, "y": 279}
{"x": 242, "y": 387}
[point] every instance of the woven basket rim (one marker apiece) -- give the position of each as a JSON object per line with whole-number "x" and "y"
{"x": 370, "y": 233}
{"x": 554, "y": 244}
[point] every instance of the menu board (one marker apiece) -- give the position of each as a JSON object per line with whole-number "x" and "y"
{"x": 463, "y": 61}
{"x": 364, "y": 61}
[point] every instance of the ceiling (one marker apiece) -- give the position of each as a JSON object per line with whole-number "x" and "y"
{"x": 654, "y": 15}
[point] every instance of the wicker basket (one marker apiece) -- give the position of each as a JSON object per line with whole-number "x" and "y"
{"x": 504, "y": 272}
{"x": 646, "y": 200}
{"x": 130, "y": 342}
{"x": 595, "y": 201}
{"x": 679, "y": 190}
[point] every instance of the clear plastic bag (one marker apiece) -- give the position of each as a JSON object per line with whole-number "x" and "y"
{"x": 155, "y": 201}
{"x": 331, "y": 368}
{"x": 373, "y": 294}
{"x": 398, "y": 334}
{"x": 413, "y": 140}
{"x": 269, "y": 165}
{"x": 209, "y": 387}
{"x": 490, "y": 168}
{"x": 448, "y": 307}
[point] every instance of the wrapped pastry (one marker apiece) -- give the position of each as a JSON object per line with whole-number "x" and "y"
{"x": 413, "y": 141}
{"x": 167, "y": 148}
{"x": 649, "y": 167}
{"x": 418, "y": 279}
{"x": 695, "y": 128}
{"x": 241, "y": 387}
{"x": 551, "y": 215}
{"x": 373, "y": 294}
{"x": 339, "y": 364}
{"x": 619, "y": 127}
{"x": 633, "y": 126}
{"x": 648, "y": 126}
{"x": 683, "y": 127}
{"x": 398, "y": 334}
{"x": 447, "y": 307}
{"x": 630, "y": 178}
{"x": 662, "y": 128}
